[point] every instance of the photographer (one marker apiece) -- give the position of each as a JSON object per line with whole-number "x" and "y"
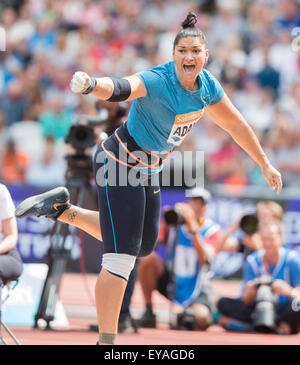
{"x": 248, "y": 240}
{"x": 183, "y": 276}
{"x": 282, "y": 266}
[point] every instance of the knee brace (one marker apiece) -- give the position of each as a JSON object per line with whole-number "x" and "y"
{"x": 119, "y": 264}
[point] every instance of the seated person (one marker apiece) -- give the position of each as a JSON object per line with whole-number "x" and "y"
{"x": 283, "y": 267}
{"x": 11, "y": 265}
{"x": 183, "y": 277}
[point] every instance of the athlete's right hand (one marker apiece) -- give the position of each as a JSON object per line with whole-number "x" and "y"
{"x": 80, "y": 82}
{"x": 273, "y": 177}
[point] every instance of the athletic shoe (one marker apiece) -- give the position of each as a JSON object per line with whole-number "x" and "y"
{"x": 50, "y": 204}
{"x": 148, "y": 320}
{"x": 128, "y": 325}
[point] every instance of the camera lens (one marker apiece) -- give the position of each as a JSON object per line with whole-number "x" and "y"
{"x": 249, "y": 224}
{"x": 173, "y": 216}
{"x": 81, "y": 134}
{"x": 81, "y": 137}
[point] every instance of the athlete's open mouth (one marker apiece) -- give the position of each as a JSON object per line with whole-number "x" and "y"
{"x": 189, "y": 68}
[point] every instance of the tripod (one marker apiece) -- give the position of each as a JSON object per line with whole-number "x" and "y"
{"x": 78, "y": 182}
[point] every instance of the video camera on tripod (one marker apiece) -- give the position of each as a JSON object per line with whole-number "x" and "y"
{"x": 81, "y": 137}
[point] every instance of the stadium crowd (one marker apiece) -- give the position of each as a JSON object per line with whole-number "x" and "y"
{"x": 250, "y": 51}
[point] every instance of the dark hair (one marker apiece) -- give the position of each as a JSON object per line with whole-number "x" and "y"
{"x": 189, "y": 29}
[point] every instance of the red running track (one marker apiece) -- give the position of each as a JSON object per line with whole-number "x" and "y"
{"x": 76, "y": 294}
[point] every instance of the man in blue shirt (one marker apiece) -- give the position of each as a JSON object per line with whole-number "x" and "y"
{"x": 183, "y": 277}
{"x": 277, "y": 262}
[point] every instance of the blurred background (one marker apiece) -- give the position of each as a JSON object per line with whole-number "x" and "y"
{"x": 250, "y": 51}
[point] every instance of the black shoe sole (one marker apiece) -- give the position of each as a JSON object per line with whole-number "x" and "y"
{"x": 30, "y": 206}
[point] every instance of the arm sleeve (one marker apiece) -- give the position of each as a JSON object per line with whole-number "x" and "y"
{"x": 7, "y": 206}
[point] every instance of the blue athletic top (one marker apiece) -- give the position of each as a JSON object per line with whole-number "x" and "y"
{"x": 159, "y": 121}
{"x": 287, "y": 269}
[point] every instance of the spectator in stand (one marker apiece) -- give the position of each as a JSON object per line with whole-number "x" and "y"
{"x": 14, "y": 164}
{"x": 237, "y": 178}
{"x": 3, "y": 133}
{"x": 49, "y": 170}
{"x": 14, "y": 104}
{"x": 268, "y": 76}
{"x": 290, "y": 103}
{"x": 57, "y": 121}
{"x": 227, "y": 21}
{"x": 220, "y": 163}
{"x": 261, "y": 116}
{"x": 186, "y": 271}
{"x": 287, "y": 158}
{"x": 45, "y": 33}
{"x": 284, "y": 59}
{"x": 62, "y": 54}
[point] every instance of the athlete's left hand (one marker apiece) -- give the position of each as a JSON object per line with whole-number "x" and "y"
{"x": 273, "y": 177}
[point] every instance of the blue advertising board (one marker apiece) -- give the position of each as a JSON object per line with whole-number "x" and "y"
{"x": 34, "y": 238}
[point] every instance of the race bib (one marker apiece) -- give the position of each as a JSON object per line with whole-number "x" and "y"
{"x": 182, "y": 125}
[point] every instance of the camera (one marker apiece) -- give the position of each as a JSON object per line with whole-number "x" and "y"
{"x": 249, "y": 224}
{"x": 173, "y": 216}
{"x": 186, "y": 321}
{"x": 264, "y": 315}
{"x": 81, "y": 135}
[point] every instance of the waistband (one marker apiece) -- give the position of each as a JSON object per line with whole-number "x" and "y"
{"x": 124, "y": 142}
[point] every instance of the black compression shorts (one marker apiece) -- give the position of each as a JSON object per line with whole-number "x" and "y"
{"x": 129, "y": 198}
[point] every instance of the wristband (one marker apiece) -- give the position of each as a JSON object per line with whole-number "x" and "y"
{"x": 91, "y": 87}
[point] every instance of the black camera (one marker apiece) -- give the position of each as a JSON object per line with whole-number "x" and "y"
{"x": 186, "y": 321}
{"x": 81, "y": 137}
{"x": 249, "y": 224}
{"x": 173, "y": 216}
{"x": 264, "y": 315}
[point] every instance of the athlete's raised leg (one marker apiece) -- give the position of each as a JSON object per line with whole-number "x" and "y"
{"x": 84, "y": 219}
{"x": 55, "y": 204}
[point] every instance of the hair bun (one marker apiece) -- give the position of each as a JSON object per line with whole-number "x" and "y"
{"x": 189, "y": 21}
